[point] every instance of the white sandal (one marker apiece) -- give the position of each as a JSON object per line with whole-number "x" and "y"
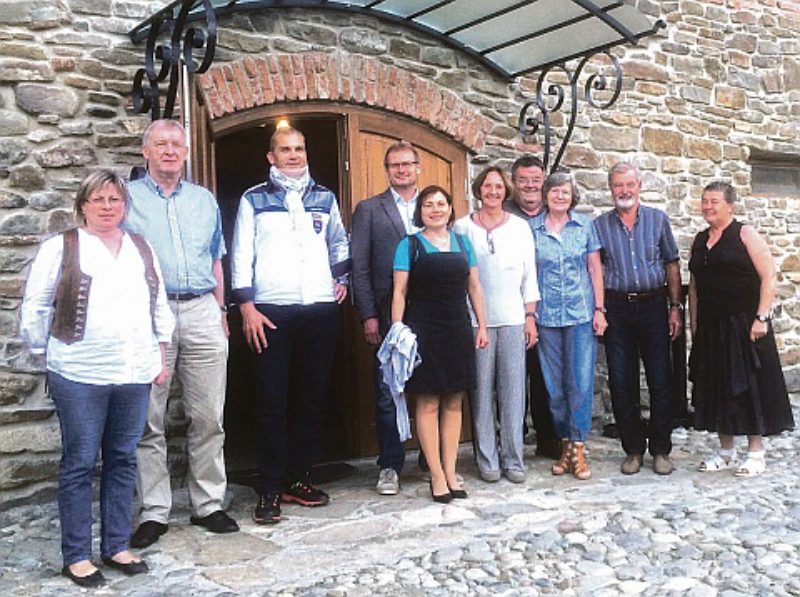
{"x": 753, "y": 465}
{"x": 718, "y": 461}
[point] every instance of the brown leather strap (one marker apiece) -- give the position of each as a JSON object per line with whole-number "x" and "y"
{"x": 149, "y": 273}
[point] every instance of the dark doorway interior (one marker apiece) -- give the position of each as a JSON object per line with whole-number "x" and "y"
{"x": 241, "y": 163}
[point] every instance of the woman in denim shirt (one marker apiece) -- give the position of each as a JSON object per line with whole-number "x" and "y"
{"x": 569, "y": 315}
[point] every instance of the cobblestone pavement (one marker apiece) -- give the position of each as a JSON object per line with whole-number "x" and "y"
{"x": 689, "y": 534}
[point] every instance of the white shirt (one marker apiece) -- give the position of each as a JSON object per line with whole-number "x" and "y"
{"x": 118, "y": 345}
{"x": 508, "y": 276}
{"x": 406, "y": 209}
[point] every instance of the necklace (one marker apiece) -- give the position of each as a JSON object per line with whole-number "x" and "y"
{"x": 490, "y": 229}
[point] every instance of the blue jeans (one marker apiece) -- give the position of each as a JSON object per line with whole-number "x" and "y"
{"x": 568, "y": 355}
{"x": 392, "y": 453}
{"x": 95, "y": 417}
{"x": 634, "y": 329}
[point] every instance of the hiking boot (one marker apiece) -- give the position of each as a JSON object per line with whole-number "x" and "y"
{"x": 268, "y": 509}
{"x": 305, "y": 494}
{"x": 662, "y": 465}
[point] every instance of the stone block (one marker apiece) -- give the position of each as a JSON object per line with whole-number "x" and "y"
{"x": 15, "y": 387}
{"x": 22, "y": 50}
{"x": 25, "y": 12}
{"x": 35, "y": 98}
{"x": 92, "y": 7}
{"x": 742, "y": 78}
{"x": 46, "y": 200}
{"x": 14, "y": 69}
{"x": 25, "y": 415}
{"x": 13, "y": 260}
{"x": 321, "y": 36}
{"x": 12, "y": 123}
{"x": 60, "y": 220}
{"x": 662, "y": 142}
{"x": 730, "y": 97}
{"x": 12, "y": 152}
{"x": 614, "y": 138}
{"x": 67, "y": 153}
{"x": 20, "y": 224}
{"x": 695, "y": 94}
{"x": 791, "y": 74}
{"x": 42, "y": 437}
{"x": 583, "y": 157}
{"x": 78, "y": 38}
{"x": 743, "y": 41}
{"x": 438, "y": 56}
{"x": 647, "y": 71}
{"x": 404, "y": 49}
{"x": 28, "y": 177}
{"x": 27, "y": 469}
{"x": 98, "y": 70}
{"x": 364, "y": 41}
{"x": 9, "y": 200}
{"x": 704, "y": 149}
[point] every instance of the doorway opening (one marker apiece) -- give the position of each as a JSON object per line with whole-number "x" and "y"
{"x": 241, "y": 163}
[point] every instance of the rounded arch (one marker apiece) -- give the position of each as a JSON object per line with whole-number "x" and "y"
{"x": 253, "y": 81}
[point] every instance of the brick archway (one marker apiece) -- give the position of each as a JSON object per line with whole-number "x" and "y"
{"x": 254, "y": 81}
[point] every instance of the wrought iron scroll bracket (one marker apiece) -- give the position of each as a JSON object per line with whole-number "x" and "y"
{"x": 163, "y": 60}
{"x": 550, "y": 98}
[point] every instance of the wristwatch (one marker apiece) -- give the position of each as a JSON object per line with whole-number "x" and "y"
{"x": 678, "y": 306}
{"x": 763, "y": 318}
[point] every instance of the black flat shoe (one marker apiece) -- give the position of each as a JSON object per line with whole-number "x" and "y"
{"x": 92, "y": 581}
{"x": 216, "y": 522}
{"x": 129, "y": 569}
{"x": 148, "y": 533}
{"x": 444, "y": 498}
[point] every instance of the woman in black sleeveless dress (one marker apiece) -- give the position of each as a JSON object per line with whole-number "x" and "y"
{"x": 739, "y": 387}
{"x": 434, "y": 272}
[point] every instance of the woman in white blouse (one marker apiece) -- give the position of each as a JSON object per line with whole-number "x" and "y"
{"x": 95, "y": 306}
{"x": 507, "y": 269}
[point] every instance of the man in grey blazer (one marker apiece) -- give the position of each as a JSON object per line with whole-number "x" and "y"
{"x": 379, "y": 223}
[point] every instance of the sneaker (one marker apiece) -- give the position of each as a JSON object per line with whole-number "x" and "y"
{"x": 305, "y": 494}
{"x": 268, "y": 509}
{"x": 515, "y": 475}
{"x": 632, "y": 464}
{"x": 388, "y": 482}
{"x": 490, "y": 476}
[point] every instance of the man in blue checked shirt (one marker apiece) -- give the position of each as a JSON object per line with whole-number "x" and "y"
{"x": 181, "y": 221}
{"x": 642, "y": 297}
{"x": 289, "y": 274}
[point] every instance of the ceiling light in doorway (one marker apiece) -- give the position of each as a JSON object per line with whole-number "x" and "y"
{"x": 283, "y": 123}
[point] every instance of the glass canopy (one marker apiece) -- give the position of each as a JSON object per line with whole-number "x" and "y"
{"x": 512, "y": 37}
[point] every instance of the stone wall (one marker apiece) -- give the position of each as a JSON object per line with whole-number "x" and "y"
{"x": 723, "y": 78}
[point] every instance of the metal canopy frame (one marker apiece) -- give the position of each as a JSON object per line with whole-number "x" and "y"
{"x": 509, "y": 37}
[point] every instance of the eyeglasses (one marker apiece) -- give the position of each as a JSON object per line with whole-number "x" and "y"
{"x": 490, "y": 241}
{"x": 399, "y": 165}
{"x": 111, "y": 201}
{"x": 528, "y": 181}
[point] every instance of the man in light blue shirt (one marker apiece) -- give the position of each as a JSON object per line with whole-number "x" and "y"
{"x": 182, "y": 223}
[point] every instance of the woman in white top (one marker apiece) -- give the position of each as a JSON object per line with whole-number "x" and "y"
{"x": 507, "y": 268}
{"x": 95, "y": 306}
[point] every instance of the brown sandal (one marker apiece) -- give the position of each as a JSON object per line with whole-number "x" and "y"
{"x": 563, "y": 464}
{"x": 580, "y": 468}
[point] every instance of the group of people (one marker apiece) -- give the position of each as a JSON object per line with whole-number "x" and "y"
{"x": 505, "y": 303}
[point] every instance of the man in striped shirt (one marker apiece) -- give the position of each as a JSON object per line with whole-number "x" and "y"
{"x": 641, "y": 272}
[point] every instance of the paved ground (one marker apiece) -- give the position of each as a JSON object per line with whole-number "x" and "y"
{"x": 689, "y": 534}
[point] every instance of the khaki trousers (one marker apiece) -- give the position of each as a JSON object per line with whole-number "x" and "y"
{"x": 198, "y": 355}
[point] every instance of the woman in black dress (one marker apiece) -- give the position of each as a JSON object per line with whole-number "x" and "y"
{"x": 434, "y": 270}
{"x": 739, "y": 387}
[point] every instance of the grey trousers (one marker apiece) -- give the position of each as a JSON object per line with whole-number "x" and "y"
{"x": 198, "y": 355}
{"x": 501, "y": 373}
